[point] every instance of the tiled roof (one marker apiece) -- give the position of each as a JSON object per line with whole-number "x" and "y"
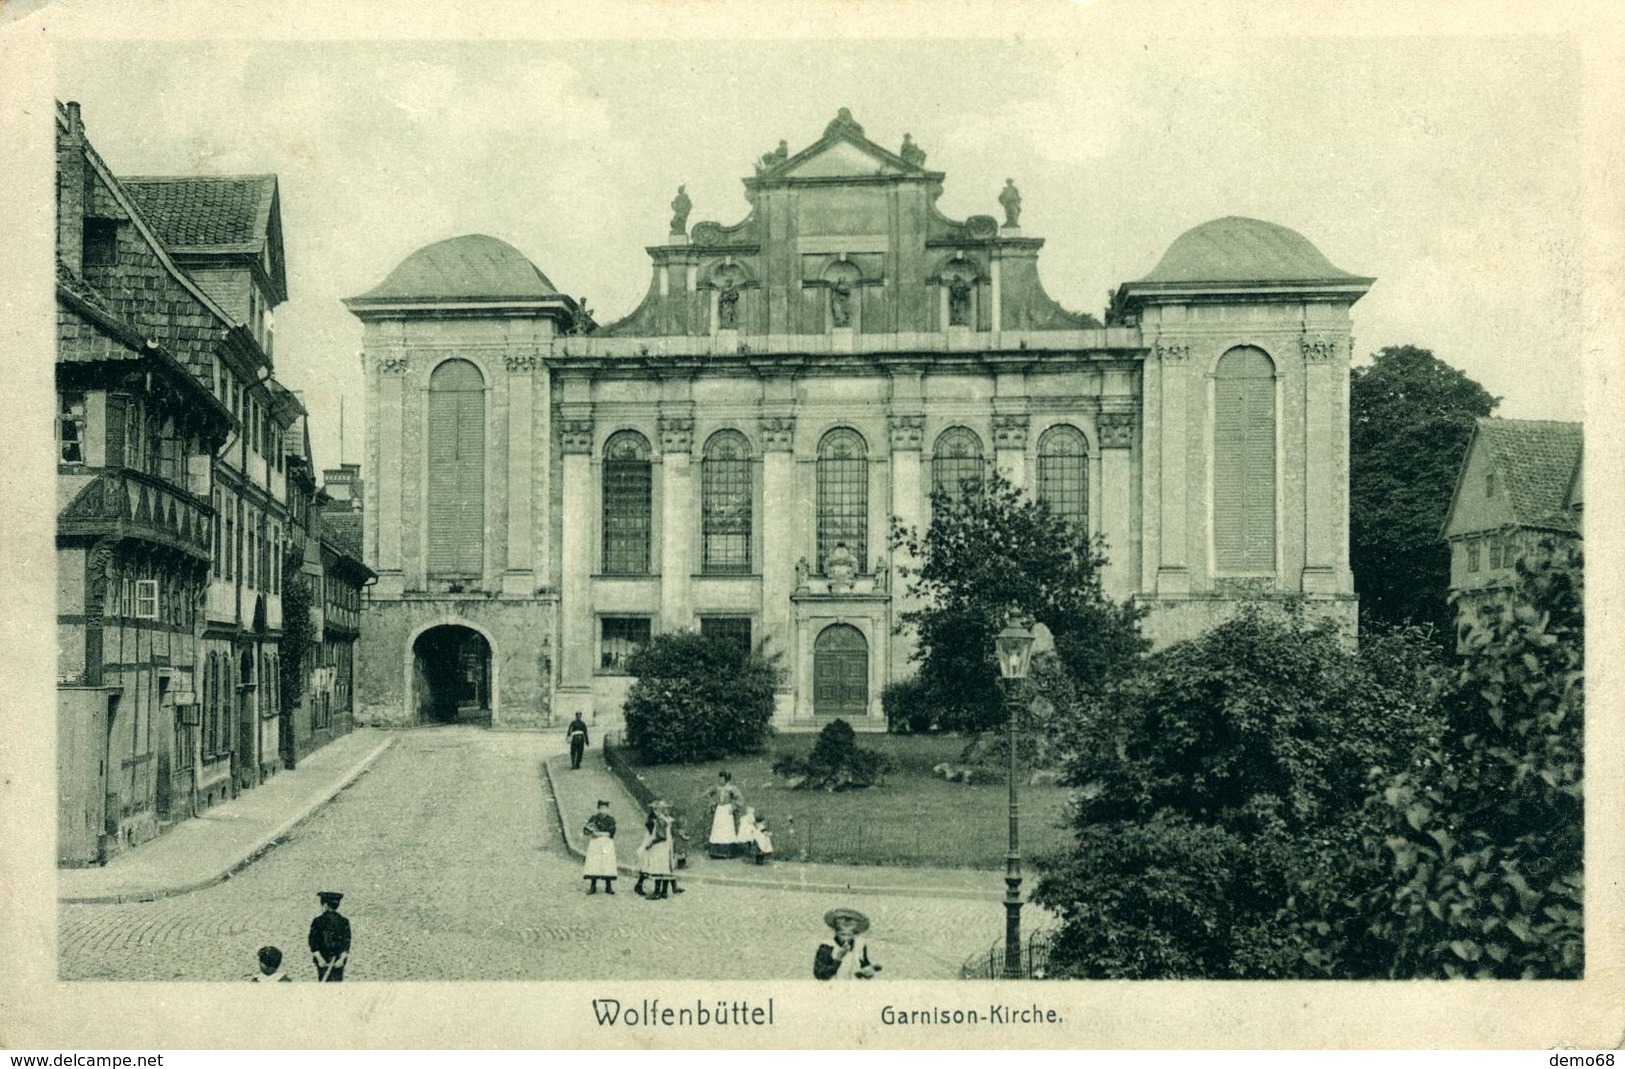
{"x": 1237, "y": 249}
{"x": 1537, "y": 459}
{"x": 342, "y": 528}
{"x": 190, "y": 211}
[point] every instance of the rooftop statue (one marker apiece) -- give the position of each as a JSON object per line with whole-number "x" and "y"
{"x": 843, "y": 121}
{"x": 1010, "y": 199}
{"x": 679, "y": 211}
{"x": 912, "y": 154}
{"x": 772, "y": 159}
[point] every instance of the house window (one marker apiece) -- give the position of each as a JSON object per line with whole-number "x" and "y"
{"x": 843, "y": 495}
{"x": 734, "y": 630}
{"x": 628, "y": 516}
{"x": 1244, "y": 462}
{"x": 1472, "y": 554}
{"x": 725, "y": 504}
{"x": 101, "y": 243}
{"x": 1489, "y": 484}
{"x": 70, "y": 428}
{"x": 621, "y": 636}
{"x": 956, "y": 464}
{"x": 146, "y": 599}
{"x": 1063, "y": 480}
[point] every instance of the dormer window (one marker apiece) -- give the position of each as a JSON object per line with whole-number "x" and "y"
{"x": 101, "y": 243}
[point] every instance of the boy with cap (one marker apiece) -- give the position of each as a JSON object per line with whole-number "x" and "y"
{"x": 330, "y": 939}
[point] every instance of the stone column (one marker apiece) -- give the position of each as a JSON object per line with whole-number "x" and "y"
{"x": 1174, "y": 427}
{"x": 389, "y": 415}
{"x": 677, "y": 520}
{"x": 414, "y": 494}
{"x": 1325, "y": 460}
{"x": 779, "y": 532}
{"x": 1116, "y": 500}
{"x": 907, "y": 431}
{"x": 1010, "y": 446}
{"x": 519, "y": 577}
{"x": 576, "y": 640}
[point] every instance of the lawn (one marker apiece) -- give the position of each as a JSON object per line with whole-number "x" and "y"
{"x": 915, "y": 818}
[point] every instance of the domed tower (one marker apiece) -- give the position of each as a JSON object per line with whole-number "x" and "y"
{"x": 456, "y": 520}
{"x": 1244, "y": 475}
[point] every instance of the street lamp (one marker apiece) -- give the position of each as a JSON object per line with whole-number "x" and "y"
{"x": 1014, "y": 646}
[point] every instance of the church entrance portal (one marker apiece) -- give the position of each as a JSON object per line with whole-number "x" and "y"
{"x": 451, "y": 675}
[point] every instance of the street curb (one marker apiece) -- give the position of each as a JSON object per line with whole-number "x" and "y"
{"x": 263, "y": 844}
{"x": 689, "y": 875}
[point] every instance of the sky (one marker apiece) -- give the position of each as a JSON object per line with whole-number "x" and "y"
{"x": 1447, "y": 168}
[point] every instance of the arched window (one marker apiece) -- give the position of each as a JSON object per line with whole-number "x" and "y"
{"x": 725, "y": 504}
{"x": 456, "y": 471}
{"x": 1244, "y": 462}
{"x": 843, "y": 496}
{"x": 956, "y": 463}
{"x": 1063, "y": 474}
{"x": 627, "y": 504}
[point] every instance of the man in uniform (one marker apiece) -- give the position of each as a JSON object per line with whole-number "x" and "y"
{"x": 330, "y": 939}
{"x": 577, "y": 734}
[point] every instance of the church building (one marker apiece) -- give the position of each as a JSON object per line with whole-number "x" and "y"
{"x": 543, "y": 493}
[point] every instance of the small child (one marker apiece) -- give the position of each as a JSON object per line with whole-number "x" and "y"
{"x": 271, "y": 968}
{"x": 746, "y": 839}
{"x": 764, "y": 841}
{"x": 600, "y": 861}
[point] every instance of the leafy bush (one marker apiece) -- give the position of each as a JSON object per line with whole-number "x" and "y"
{"x": 909, "y": 707}
{"x": 836, "y": 762}
{"x": 1048, "y": 700}
{"x": 1485, "y": 834}
{"x": 1220, "y": 797}
{"x": 698, "y": 698}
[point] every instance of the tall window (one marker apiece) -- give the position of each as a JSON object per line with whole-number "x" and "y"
{"x": 843, "y": 495}
{"x": 956, "y": 463}
{"x": 70, "y": 427}
{"x": 725, "y": 504}
{"x": 1063, "y": 477}
{"x": 621, "y": 636}
{"x": 1244, "y": 462}
{"x": 628, "y": 515}
{"x": 456, "y": 471}
{"x": 734, "y": 630}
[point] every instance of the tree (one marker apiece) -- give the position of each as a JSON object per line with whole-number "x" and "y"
{"x": 698, "y": 697}
{"x": 298, "y": 636}
{"x": 1220, "y": 792}
{"x": 1485, "y": 833}
{"x": 985, "y": 554}
{"x": 1410, "y": 420}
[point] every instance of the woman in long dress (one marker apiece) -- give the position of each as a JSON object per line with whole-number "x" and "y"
{"x": 600, "y": 863}
{"x": 724, "y": 840}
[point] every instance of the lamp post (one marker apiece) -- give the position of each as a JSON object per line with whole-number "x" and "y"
{"x": 1014, "y": 646}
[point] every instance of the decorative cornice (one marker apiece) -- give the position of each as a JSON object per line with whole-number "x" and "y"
{"x": 778, "y": 432}
{"x": 1173, "y": 352}
{"x": 1318, "y": 348}
{"x": 676, "y": 434}
{"x": 577, "y": 435}
{"x": 518, "y": 363}
{"x": 1116, "y": 429}
{"x": 907, "y": 432}
{"x": 394, "y": 365}
{"x": 1010, "y": 430}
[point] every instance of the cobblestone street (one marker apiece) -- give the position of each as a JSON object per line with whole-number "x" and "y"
{"x": 449, "y": 855}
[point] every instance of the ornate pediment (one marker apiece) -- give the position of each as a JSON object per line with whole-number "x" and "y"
{"x": 842, "y": 159}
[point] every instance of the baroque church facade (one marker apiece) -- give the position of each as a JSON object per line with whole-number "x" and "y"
{"x": 544, "y": 493}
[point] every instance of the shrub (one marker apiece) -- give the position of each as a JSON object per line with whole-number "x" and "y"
{"x": 908, "y": 706}
{"x": 698, "y": 698}
{"x": 836, "y": 762}
{"x": 1048, "y": 700}
{"x": 1220, "y": 794}
{"x": 1485, "y": 833}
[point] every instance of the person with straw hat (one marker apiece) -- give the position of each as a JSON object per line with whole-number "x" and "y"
{"x": 844, "y": 955}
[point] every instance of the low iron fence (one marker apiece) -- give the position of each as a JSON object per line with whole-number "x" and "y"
{"x": 990, "y": 965}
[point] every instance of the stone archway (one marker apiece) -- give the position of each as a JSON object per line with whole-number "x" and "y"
{"x": 451, "y": 675}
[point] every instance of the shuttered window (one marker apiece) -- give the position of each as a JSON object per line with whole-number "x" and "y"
{"x": 628, "y": 504}
{"x": 1244, "y": 463}
{"x": 456, "y": 471}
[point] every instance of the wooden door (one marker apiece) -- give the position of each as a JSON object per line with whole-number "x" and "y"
{"x": 841, "y": 673}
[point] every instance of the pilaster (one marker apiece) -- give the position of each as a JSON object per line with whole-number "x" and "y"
{"x": 577, "y": 556}
{"x": 779, "y": 541}
{"x": 677, "y": 519}
{"x": 1116, "y": 434}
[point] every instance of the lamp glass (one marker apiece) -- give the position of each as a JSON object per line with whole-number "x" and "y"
{"x": 1014, "y": 646}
